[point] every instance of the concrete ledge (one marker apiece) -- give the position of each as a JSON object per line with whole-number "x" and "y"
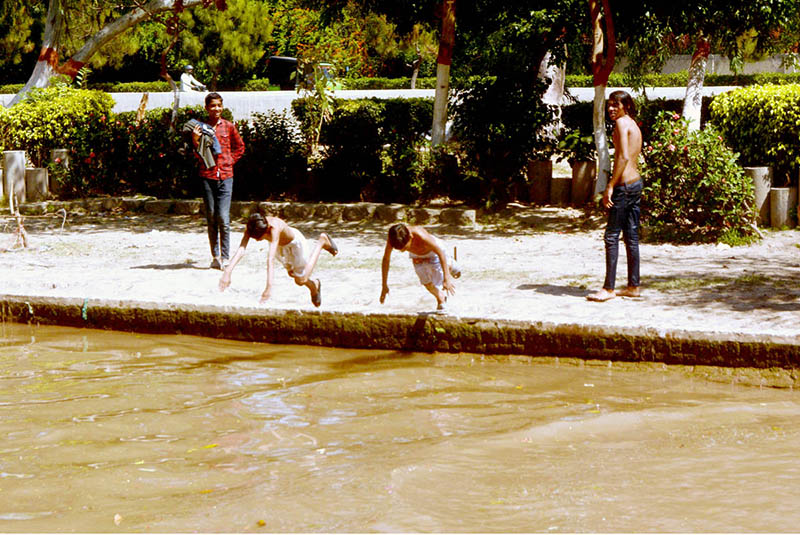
{"x": 291, "y": 211}
{"x": 777, "y": 357}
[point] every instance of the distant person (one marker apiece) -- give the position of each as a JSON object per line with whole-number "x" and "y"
{"x": 218, "y": 179}
{"x": 289, "y": 247}
{"x": 432, "y": 265}
{"x": 189, "y": 82}
{"x": 621, "y": 197}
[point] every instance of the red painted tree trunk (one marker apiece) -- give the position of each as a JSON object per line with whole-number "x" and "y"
{"x": 443, "y": 61}
{"x": 603, "y": 58}
{"x": 48, "y": 65}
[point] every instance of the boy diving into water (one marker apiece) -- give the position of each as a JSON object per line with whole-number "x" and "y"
{"x": 290, "y": 247}
{"x": 434, "y": 269}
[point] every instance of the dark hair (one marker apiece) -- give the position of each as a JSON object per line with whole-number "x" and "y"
{"x": 213, "y": 96}
{"x": 257, "y": 225}
{"x": 399, "y": 236}
{"x": 622, "y": 97}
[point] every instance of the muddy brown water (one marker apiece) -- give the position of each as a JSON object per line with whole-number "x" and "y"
{"x": 112, "y": 432}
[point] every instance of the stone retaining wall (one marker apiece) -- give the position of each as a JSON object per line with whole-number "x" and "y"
{"x": 772, "y": 360}
{"x": 290, "y": 211}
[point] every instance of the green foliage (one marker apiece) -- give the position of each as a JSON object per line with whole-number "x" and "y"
{"x": 680, "y": 79}
{"x": 10, "y": 89}
{"x": 225, "y": 46}
{"x": 352, "y": 151}
{"x": 388, "y": 83}
{"x": 274, "y": 163}
{"x": 259, "y": 84}
{"x": 132, "y": 87}
{"x": 499, "y": 123}
{"x": 576, "y": 142}
{"x": 762, "y": 123}
{"x": 49, "y": 118}
{"x": 694, "y": 188}
{"x": 372, "y": 148}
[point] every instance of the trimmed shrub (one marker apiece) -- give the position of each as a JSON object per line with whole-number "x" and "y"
{"x": 275, "y": 163}
{"x": 10, "y": 89}
{"x": 694, "y": 188}
{"x": 134, "y": 87}
{"x": 259, "y": 84}
{"x": 388, "y": 83}
{"x": 500, "y": 125}
{"x": 382, "y": 163}
{"x": 353, "y": 145}
{"x": 49, "y": 118}
{"x": 762, "y": 123}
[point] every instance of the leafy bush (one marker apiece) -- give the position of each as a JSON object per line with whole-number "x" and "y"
{"x": 694, "y": 188}
{"x": 388, "y": 83}
{"x": 49, "y": 118}
{"x": 499, "y": 123}
{"x": 680, "y": 79}
{"x": 10, "y": 89}
{"x": 383, "y": 161}
{"x": 274, "y": 163}
{"x": 259, "y": 84}
{"x": 161, "y": 86}
{"x": 762, "y": 123}
{"x": 352, "y": 151}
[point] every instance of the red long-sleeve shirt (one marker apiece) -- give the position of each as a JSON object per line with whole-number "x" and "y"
{"x": 232, "y": 149}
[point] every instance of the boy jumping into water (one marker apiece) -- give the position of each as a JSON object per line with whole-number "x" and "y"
{"x": 290, "y": 247}
{"x": 434, "y": 269}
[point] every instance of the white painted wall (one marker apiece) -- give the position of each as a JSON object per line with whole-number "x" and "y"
{"x": 244, "y": 103}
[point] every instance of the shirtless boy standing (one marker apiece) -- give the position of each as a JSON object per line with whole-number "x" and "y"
{"x": 622, "y": 198}
{"x": 290, "y": 247}
{"x": 434, "y": 269}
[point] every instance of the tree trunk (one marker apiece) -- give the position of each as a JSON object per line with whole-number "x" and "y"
{"x": 554, "y": 96}
{"x": 693, "y": 103}
{"x": 443, "y": 61}
{"x": 47, "y": 65}
{"x": 602, "y": 63}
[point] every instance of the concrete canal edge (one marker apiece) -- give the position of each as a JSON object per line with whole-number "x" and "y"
{"x": 752, "y": 359}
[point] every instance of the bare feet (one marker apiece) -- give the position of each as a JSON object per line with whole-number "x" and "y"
{"x": 602, "y": 295}
{"x": 329, "y": 245}
{"x": 630, "y": 291}
{"x": 316, "y": 297}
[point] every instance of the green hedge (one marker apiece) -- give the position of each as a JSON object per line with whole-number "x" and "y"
{"x": 388, "y": 83}
{"x": 370, "y": 148}
{"x": 680, "y": 79}
{"x": 762, "y": 123}
{"x": 49, "y": 118}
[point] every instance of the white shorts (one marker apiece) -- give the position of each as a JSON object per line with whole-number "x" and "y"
{"x": 429, "y": 268}
{"x": 294, "y": 255}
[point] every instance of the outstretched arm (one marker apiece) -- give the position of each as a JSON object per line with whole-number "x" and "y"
{"x": 225, "y": 280}
{"x": 387, "y": 255}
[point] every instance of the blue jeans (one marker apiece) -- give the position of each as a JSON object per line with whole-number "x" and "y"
{"x": 623, "y": 216}
{"x": 217, "y": 197}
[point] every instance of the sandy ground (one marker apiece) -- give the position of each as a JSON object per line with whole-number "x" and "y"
{"x": 531, "y": 265}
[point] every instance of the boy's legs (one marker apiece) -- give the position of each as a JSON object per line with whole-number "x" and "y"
{"x": 210, "y": 200}
{"x": 630, "y": 235}
{"x": 323, "y": 242}
{"x": 315, "y": 286}
{"x": 440, "y": 296}
{"x": 225, "y": 193}
{"x": 616, "y": 216}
